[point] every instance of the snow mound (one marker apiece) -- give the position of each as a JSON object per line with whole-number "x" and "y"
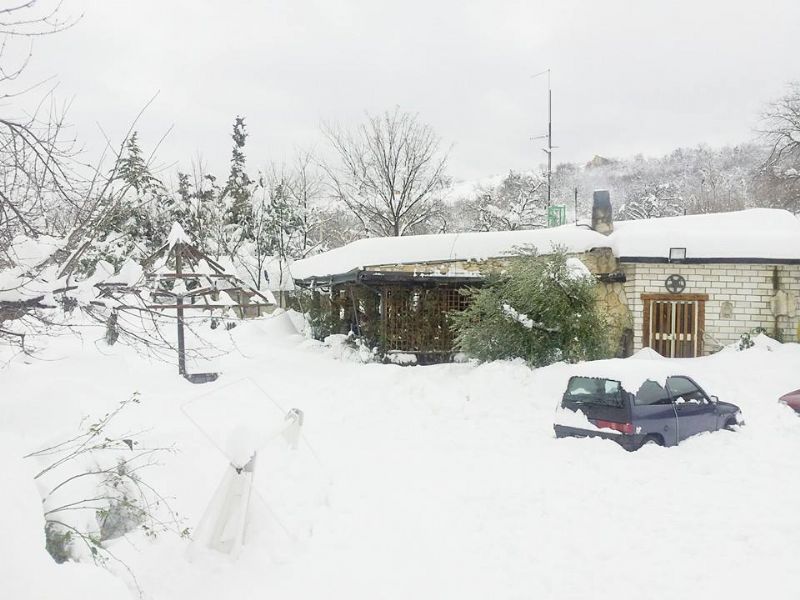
{"x": 646, "y": 354}
{"x": 760, "y": 342}
{"x": 31, "y": 571}
{"x": 280, "y": 324}
{"x": 349, "y": 348}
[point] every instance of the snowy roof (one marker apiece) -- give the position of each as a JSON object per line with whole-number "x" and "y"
{"x": 760, "y": 234}
{"x": 444, "y": 247}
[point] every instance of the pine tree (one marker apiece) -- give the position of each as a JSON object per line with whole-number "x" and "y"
{"x": 133, "y": 169}
{"x": 238, "y": 190}
{"x": 541, "y": 309}
{"x": 138, "y": 219}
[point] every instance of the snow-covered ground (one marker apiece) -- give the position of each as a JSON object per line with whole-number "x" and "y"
{"x": 419, "y": 482}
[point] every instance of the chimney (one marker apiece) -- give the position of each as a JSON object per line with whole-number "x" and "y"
{"x": 602, "y": 218}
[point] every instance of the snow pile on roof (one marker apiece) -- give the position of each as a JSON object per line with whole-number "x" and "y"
{"x": 761, "y": 233}
{"x": 178, "y": 235}
{"x": 443, "y": 247}
{"x": 757, "y": 233}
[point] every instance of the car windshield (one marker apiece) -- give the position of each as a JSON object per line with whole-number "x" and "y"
{"x": 594, "y": 390}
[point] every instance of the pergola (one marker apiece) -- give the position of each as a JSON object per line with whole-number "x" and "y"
{"x": 180, "y": 277}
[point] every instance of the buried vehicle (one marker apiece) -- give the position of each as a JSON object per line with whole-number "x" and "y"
{"x": 656, "y": 413}
{"x": 792, "y": 400}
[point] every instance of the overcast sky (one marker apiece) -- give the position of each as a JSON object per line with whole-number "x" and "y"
{"x": 628, "y": 76}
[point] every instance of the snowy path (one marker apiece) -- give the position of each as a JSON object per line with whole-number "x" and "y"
{"x": 446, "y": 482}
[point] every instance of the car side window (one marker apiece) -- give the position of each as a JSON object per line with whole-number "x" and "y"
{"x": 652, "y": 393}
{"x": 684, "y": 391}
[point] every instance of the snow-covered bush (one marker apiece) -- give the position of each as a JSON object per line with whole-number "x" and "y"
{"x": 93, "y": 490}
{"x": 351, "y": 347}
{"x": 746, "y": 339}
{"x": 322, "y": 323}
{"x": 541, "y": 309}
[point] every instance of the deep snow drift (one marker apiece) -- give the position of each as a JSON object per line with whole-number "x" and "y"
{"x": 420, "y": 482}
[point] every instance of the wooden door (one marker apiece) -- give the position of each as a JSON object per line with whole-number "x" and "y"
{"x": 674, "y": 324}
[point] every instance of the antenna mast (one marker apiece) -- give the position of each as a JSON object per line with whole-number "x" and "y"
{"x": 549, "y": 149}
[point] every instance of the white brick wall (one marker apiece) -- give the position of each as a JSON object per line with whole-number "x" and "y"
{"x": 747, "y": 287}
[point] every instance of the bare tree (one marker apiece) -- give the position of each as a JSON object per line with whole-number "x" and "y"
{"x": 305, "y": 189}
{"x": 391, "y": 173}
{"x": 516, "y": 203}
{"x": 48, "y": 197}
{"x": 651, "y": 201}
{"x": 779, "y": 178}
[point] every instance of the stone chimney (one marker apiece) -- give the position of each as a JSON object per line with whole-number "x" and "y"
{"x": 602, "y": 217}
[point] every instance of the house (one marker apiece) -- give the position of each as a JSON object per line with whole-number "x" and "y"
{"x": 685, "y": 286}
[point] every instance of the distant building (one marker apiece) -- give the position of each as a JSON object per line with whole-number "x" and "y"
{"x": 599, "y": 161}
{"x": 684, "y": 286}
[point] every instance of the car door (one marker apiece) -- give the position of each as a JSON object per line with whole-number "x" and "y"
{"x": 654, "y": 413}
{"x": 696, "y": 413}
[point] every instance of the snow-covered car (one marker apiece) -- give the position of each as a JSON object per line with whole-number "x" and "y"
{"x": 656, "y": 413}
{"x": 792, "y": 400}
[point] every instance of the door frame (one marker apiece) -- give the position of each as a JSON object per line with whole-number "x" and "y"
{"x": 701, "y": 299}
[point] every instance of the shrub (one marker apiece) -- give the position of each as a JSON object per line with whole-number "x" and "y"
{"x": 746, "y": 339}
{"x": 93, "y": 490}
{"x": 543, "y": 309}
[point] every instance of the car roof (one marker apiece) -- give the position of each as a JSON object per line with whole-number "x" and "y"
{"x": 630, "y": 372}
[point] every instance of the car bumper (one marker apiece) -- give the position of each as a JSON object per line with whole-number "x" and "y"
{"x": 628, "y": 441}
{"x": 793, "y": 404}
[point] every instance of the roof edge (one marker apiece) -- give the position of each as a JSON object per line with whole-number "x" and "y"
{"x": 715, "y": 260}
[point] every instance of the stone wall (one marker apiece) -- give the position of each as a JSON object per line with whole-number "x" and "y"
{"x": 739, "y": 297}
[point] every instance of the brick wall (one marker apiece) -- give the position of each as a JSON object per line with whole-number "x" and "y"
{"x": 748, "y": 289}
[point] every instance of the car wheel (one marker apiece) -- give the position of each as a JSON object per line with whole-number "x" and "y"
{"x": 652, "y": 440}
{"x": 731, "y": 425}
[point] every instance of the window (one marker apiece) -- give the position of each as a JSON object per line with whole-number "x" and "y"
{"x": 684, "y": 390}
{"x": 594, "y": 390}
{"x": 652, "y": 393}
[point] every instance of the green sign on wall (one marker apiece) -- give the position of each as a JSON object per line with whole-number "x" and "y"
{"x": 556, "y": 215}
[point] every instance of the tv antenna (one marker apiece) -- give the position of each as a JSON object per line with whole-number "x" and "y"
{"x": 549, "y": 135}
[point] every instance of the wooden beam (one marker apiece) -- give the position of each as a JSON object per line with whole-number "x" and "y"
{"x": 188, "y": 275}
{"x": 674, "y": 297}
{"x": 201, "y": 306}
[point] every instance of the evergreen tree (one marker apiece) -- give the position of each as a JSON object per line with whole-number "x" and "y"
{"x": 180, "y": 208}
{"x": 238, "y": 190}
{"x": 543, "y": 309}
{"x": 133, "y": 169}
{"x": 138, "y": 219}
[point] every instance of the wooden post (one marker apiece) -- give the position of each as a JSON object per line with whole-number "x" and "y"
{"x": 179, "y": 303}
